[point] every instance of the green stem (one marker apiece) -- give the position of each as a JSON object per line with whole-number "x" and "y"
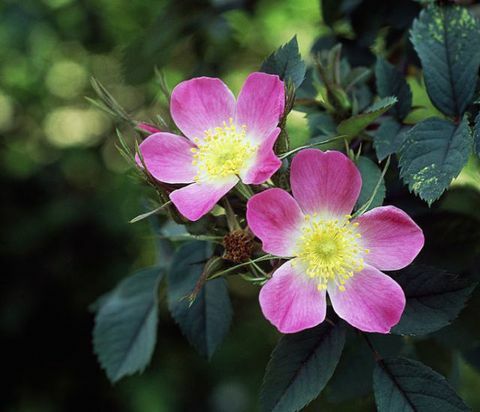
{"x": 231, "y": 217}
{"x": 365, "y": 207}
{"x": 233, "y": 268}
{"x": 297, "y": 149}
{"x": 244, "y": 190}
{"x": 148, "y": 214}
{"x": 262, "y": 272}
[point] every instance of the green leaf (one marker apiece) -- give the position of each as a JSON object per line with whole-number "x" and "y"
{"x": 434, "y": 298}
{"x": 389, "y": 137}
{"x": 354, "y": 125}
{"x": 476, "y": 135}
{"x": 287, "y": 63}
{"x": 445, "y": 39}
{"x": 405, "y": 385}
{"x": 371, "y": 174}
{"x": 353, "y": 374}
{"x": 125, "y": 329}
{"x": 390, "y": 82}
{"x": 206, "y": 321}
{"x": 433, "y": 154}
{"x": 300, "y": 367}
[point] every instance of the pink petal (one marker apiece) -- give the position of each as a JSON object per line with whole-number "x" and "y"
{"x": 275, "y": 218}
{"x": 392, "y": 237}
{"x": 168, "y": 158}
{"x": 266, "y": 162}
{"x": 325, "y": 182}
{"x": 291, "y": 301}
{"x": 200, "y": 104}
{"x": 371, "y": 302}
{"x": 261, "y": 104}
{"x": 196, "y": 200}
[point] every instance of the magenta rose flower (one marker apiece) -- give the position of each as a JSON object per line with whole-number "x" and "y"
{"x": 328, "y": 251}
{"x": 226, "y": 140}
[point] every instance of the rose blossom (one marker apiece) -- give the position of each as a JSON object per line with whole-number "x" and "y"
{"x": 328, "y": 251}
{"x": 226, "y": 140}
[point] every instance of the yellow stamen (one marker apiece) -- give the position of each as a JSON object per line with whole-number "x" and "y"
{"x": 330, "y": 250}
{"x": 223, "y": 152}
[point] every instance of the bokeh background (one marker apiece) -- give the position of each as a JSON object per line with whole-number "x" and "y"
{"x": 67, "y": 195}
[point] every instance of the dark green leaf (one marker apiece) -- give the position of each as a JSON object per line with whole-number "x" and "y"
{"x": 390, "y": 82}
{"x": 205, "y": 322}
{"x": 445, "y": 39}
{"x": 353, "y": 374}
{"x": 354, "y": 125}
{"x": 477, "y": 135}
{"x": 300, "y": 367}
{"x": 433, "y": 154}
{"x": 370, "y": 176}
{"x": 402, "y": 385}
{"x": 287, "y": 63}
{"x": 389, "y": 138}
{"x": 125, "y": 329}
{"x": 321, "y": 124}
{"x": 434, "y": 299}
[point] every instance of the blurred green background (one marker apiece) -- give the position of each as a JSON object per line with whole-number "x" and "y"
{"x": 67, "y": 195}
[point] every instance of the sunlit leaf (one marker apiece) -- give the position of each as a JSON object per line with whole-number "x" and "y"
{"x": 287, "y": 63}
{"x": 432, "y": 154}
{"x": 444, "y": 38}
{"x": 354, "y": 125}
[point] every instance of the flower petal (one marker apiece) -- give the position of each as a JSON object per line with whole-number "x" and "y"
{"x": 291, "y": 301}
{"x": 275, "y": 218}
{"x": 325, "y": 182}
{"x": 266, "y": 162}
{"x": 371, "y": 302}
{"x": 391, "y": 236}
{"x": 168, "y": 158}
{"x": 261, "y": 104}
{"x": 196, "y": 200}
{"x": 200, "y": 104}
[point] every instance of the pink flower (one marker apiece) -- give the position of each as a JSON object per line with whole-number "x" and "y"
{"x": 227, "y": 140}
{"x": 330, "y": 252}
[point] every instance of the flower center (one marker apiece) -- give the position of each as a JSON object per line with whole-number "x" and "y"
{"x": 330, "y": 250}
{"x": 223, "y": 152}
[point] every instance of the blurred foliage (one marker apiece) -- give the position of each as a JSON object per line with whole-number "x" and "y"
{"x": 67, "y": 196}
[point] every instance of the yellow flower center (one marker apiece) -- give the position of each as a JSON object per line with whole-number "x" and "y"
{"x": 330, "y": 250}
{"x": 223, "y": 152}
